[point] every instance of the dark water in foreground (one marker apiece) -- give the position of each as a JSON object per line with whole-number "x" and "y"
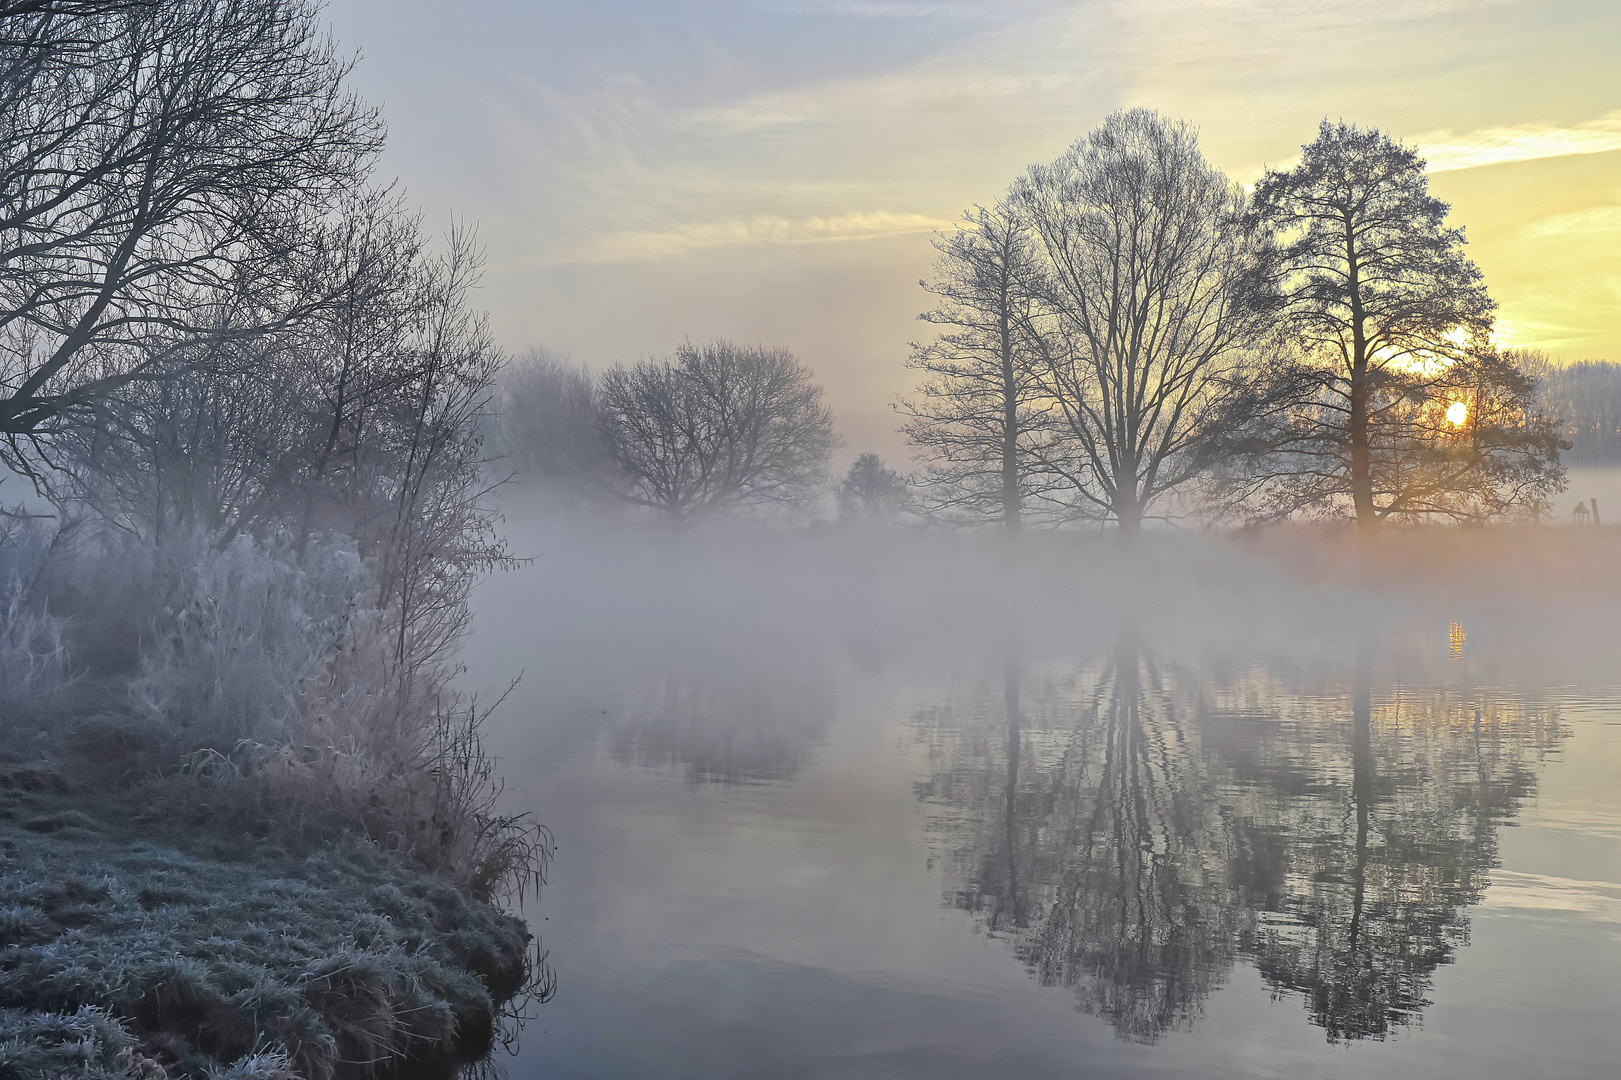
{"x": 804, "y": 835}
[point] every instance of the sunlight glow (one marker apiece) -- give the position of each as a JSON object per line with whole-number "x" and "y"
{"x": 1457, "y": 413}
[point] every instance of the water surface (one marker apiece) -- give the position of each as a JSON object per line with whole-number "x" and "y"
{"x": 856, "y": 811}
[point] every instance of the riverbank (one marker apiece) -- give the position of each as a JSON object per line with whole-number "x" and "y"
{"x": 246, "y": 829}
{"x": 147, "y": 932}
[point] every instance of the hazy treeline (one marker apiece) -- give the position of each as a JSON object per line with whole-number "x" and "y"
{"x": 247, "y": 389}
{"x": 1128, "y": 334}
{"x": 716, "y": 428}
{"x": 1585, "y": 400}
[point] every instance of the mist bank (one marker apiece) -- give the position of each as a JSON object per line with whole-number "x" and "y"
{"x": 806, "y": 761}
{"x": 599, "y": 602}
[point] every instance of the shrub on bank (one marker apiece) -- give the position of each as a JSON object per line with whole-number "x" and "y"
{"x": 254, "y": 838}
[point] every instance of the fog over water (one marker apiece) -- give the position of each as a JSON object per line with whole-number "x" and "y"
{"x": 826, "y": 538}
{"x": 843, "y": 802}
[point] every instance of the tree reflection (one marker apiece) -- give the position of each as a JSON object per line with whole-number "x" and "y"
{"x": 1138, "y": 831}
{"x": 726, "y": 723}
{"x": 1381, "y": 860}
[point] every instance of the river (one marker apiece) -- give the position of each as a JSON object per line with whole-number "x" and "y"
{"x": 845, "y": 806}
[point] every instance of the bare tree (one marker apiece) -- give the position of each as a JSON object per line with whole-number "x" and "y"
{"x": 439, "y": 535}
{"x": 273, "y": 429}
{"x": 1383, "y": 306}
{"x": 717, "y": 427}
{"x": 872, "y": 491}
{"x": 152, "y": 157}
{"x": 546, "y": 427}
{"x": 364, "y": 422}
{"x": 1152, "y": 289}
{"x": 980, "y": 412}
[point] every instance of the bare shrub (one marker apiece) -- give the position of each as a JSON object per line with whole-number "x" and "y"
{"x": 34, "y": 654}
{"x": 401, "y": 761}
{"x": 245, "y": 628}
{"x": 34, "y": 659}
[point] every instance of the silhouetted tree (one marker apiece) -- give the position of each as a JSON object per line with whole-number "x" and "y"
{"x": 155, "y": 162}
{"x": 872, "y": 490}
{"x": 717, "y": 427}
{"x": 1150, "y": 276}
{"x": 1382, "y": 302}
{"x": 979, "y": 415}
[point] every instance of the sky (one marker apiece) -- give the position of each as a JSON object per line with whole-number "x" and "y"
{"x": 647, "y": 172}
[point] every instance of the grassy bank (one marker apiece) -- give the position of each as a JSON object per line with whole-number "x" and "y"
{"x": 146, "y": 932}
{"x": 243, "y": 831}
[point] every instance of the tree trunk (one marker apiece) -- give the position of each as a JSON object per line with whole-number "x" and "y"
{"x": 1367, "y": 517}
{"x": 1130, "y": 516}
{"x": 1011, "y": 510}
{"x": 1128, "y": 504}
{"x": 1012, "y": 513}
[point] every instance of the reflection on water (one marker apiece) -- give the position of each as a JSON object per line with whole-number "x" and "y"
{"x": 1135, "y": 829}
{"x": 748, "y": 720}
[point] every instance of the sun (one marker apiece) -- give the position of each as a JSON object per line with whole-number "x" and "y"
{"x": 1457, "y": 413}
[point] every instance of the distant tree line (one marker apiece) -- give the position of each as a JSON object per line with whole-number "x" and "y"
{"x": 1128, "y": 335}
{"x": 1584, "y": 398}
{"x": 714, "y": 429}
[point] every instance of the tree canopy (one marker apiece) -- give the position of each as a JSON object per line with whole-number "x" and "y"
{"x": 1390, "y": 322}
{"x": 717, "y": 426}
{"x": 158, "y": 163}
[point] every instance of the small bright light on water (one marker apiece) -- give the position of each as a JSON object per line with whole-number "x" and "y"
{"x": 1457, "y": 413}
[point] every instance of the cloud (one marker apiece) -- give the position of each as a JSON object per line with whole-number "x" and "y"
{"x": 1592, "y": 221}
{"x": 761, "y": 229}
{"x": 1447, "y": 152}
